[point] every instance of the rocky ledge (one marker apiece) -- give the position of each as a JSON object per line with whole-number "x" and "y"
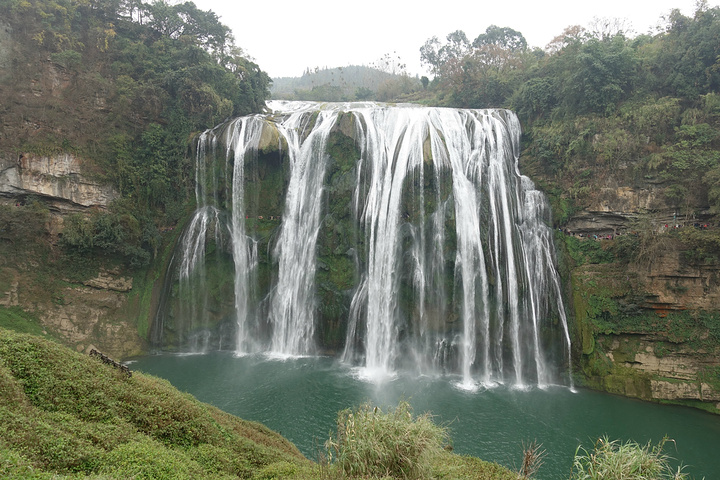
{"x": 59, "y": 179}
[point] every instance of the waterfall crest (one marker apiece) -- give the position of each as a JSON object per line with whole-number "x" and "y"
{"x": 404, "y": 235}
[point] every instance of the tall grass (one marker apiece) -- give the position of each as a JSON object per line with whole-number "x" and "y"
{"x": 613, "y": 460}
{"x": 395, "y": 444}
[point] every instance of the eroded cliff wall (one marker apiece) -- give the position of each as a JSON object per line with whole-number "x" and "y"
{"x": 98, "y": 308}
{"x": 645, "y": 299}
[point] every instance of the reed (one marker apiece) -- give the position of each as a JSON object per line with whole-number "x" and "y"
{"x": 395, "y": 444}
{"x": 613, "y": 460}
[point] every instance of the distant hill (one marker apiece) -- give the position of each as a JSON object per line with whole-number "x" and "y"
{"x": 344, "y": 84}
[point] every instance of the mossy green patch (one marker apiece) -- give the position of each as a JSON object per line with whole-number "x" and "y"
{"x": 65, "y": 413}
{"x": 18, "y": 320}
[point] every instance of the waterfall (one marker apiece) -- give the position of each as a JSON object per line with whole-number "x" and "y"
{"x": 404, "y": 235}
{"x": 292, "y": 313}
{"x": 242, "y": 138}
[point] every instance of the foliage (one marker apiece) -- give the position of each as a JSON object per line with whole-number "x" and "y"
{"x": 701, "y": 245}
{"x": 600, "y": 76}
{"x": 478, "y": 74}
{"x": 24, "y": 224}
{"x": 396, "y": 444}
{"x": 63, "y": 413}
{"x": 627, "y": 461}
{"x": 109, "y": 232}
{"x": 587, "y": 250}
{"x": 142, "y": 78}
{"x": 18, "y": 320}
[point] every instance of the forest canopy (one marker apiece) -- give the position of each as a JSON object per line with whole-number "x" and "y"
{"x": 599, "y": 106}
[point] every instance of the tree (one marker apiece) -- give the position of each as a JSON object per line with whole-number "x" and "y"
{"x": 505, "y": 38}
{"x": 602, "y": 74}
{"x": 484, "y": 73}
{"x": 435, "y": 55}
{"x": 689, "y": 62}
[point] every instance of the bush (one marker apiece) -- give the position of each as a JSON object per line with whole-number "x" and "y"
{"x": 68, "y": 415}
{"x": 395, "y": 444}
{"x": 611, "y": 460}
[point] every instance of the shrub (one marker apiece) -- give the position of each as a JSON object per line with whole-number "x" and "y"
{"x": 147, "y": 458}
{"x": 396, "y": 444}
{"x": 612, "y": 460}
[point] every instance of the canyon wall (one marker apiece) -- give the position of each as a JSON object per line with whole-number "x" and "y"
{"x": 647, "y": 325}
{"x": 100, "y": 311}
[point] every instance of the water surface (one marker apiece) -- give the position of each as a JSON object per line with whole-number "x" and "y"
{"x": 300, "y": 398}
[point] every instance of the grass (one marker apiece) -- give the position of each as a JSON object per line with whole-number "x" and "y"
{"x": 612, "y": 460}
{"x": 67, "y": 415}
{"x": 15, "y": 318}
{"x": 395, "y": 444}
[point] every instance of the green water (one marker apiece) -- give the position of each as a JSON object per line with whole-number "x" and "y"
{"x": 300, "y": 399}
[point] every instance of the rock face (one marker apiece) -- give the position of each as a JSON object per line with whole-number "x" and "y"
{"x": 95, "y": 312}
{"x": 87, "y": 315}
{"x": 81, "y": 316}
{"x": 650, "y": 331}
{"x": 59, "y": 179}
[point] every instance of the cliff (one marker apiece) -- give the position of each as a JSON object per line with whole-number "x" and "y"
{"x": 58, "y": 178}
{"x": 645, "y": 302}
{"x": 93, "y": 309}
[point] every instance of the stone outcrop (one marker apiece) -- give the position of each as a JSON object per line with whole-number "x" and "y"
{"x": 647, "y": 330}
{"x": 106, "y": 281}
{"x": 59, "y": 179}
{"x": 81, "y": 316}
{"x": 613, "y": 209}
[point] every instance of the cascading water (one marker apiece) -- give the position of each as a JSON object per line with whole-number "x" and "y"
{"x": 407, "y": 231}
{"x": 292, "y": 313}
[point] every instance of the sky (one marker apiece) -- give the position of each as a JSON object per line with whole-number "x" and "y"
{"x": 285, "y": 37}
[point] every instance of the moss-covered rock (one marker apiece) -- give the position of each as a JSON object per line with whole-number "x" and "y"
{"x": 627, "y": 347}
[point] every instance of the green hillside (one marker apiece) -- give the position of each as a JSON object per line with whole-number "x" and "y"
{"x": 69, "y": 415}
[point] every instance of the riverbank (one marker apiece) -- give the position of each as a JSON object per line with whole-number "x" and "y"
{"x": 66, "y": 414}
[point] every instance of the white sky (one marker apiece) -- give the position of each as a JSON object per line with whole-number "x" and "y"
{"x": 287, "y": 36}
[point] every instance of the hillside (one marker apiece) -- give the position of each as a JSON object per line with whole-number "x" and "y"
{"x": 69, "y": 415}
{"x": 343, "y": 84}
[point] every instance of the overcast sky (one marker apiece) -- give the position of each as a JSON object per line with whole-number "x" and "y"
{"x": 287, "y": 36}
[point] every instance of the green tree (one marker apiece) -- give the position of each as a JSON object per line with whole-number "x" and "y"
{"x": 601, "y": 76}
{"x": 504, "y": 37}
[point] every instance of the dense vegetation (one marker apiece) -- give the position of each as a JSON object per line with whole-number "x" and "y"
{"x": 124, "y": 85}
{"x": 600, "y": 106}
{"x": 68, "y": 415}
